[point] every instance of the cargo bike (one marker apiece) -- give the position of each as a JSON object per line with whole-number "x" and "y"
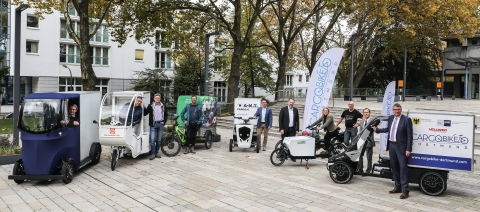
{"x": 244, "y": 125}
{"x": 117, "y": 129}
{"x": 53, "y": 146}
{"x": 442, "y": 142}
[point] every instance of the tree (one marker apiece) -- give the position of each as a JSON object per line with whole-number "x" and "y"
{"x": 188, "y": 76}
{"x": 151, "y": 80}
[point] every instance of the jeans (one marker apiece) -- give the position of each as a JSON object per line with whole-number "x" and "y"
{"x": 156, "y": 130}
{"x": 351, "y": 133}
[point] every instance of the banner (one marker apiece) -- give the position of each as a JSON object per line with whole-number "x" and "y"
{"x": 246, "y": 108}
{"x": 388, "y": 100}
{"x": 320, "y": 85}
{"x": 443, "y": 140}
{"x": 209, "y": 109}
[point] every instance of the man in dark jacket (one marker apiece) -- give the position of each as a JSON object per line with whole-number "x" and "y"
{"x": 288, "y": 120}
{"x": 156, "y": 121}
{"x": 136, "y": 109}
{"x": 192, "y": 122}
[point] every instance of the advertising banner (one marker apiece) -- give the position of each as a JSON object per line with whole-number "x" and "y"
{"x": 209, "y": 108}
{"x": 443, "y": 140}
{"x": 320, "y": 85}
{"x": 388, "y": 101}
{"x": 246, "y": 108}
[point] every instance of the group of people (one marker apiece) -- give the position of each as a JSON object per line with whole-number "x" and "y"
{"x": 399, "y": 130}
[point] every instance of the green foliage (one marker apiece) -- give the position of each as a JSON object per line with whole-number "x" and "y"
{"x": 4, "y": 70}
{"x": 188, "y": 76}
{"x": 151, "y": 80}
{"x": 168, "y": 129}
{"x": 6, "y": 126}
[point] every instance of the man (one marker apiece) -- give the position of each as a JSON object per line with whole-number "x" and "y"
{"x": 400, "y": 146}
{"x": 72, "y": 119}
{"x": 192, "y": 122}
{"x": 351, "y": 116}
{"x": 264, "y": 123}
{"x": 370, "y": 143}
{"x": 156, "y": 122}
{"x": 288, "y": 120}
{"x": 136, "y": 109}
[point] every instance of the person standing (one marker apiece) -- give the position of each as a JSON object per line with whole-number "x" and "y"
{"x": 329, "y": 127}
{"x": 192, "y": 122}
{"x": 156, "y": 121}
{"x": 399, "y": 144}
{"x": 288, "y": 120}
{"x": 370, "y": 143}
{"x": 264, "y": 123}
{"x": 136, "y": 109}
{"x": 351, "y": 116}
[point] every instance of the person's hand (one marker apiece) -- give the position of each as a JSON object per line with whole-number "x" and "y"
{"x": 374, "y": 128}
{"x": 269, "y": 127}
{"x": 355, "y": 125}
{"x": 162, "y": 122}
{"x": 281, "y": 132}
{"x": 254, "y": 117}
{"x": 296, "y": 132}
{"x": 144, "y": 105}
{"x": 185, "y": 122}
{"x": 319, "y": 128}
{"x": 407, "y": 153}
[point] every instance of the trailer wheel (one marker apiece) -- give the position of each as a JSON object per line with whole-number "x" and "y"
{"x": 208, "y": 139}
{"x": 97, "y": 154}
{"x": 278, "y": 157}
{"x": 433, "y": 183}
{"x": 19, "y": 169}
{"x": 278, "y": 144}
{"x": 68, "y": 168}
{"x": 341, "y": 172}
{"x": 258, "y": 146}
{"x": 230, "y": 146}
{"x": 114, "y": 159}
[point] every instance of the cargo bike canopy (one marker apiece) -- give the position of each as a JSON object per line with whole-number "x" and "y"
{"x": 118, "y": 108}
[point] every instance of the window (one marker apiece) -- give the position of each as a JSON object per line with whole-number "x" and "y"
{"x": 66, "y": 84}
{"x": 102, "y": 86}
{"x": 165, "y": 91}
{"x": 63, "y": 29}
{"x": 32, "y": 21}
{"x": 162, "y": 60}
{"x": 101, "y": 36}
{"x": 69, "y": 54}
{"x": 139, "y": 55}
{"x": 219, "y": 91}
{"x": 99, "y": 55}
{"x": 288, "y": 80}
{"x": 32, "y": 46}
{"x": 300, "y": 78}
{"x": 307, "y": 78}
{"x": 474, "y": 42}
{"x": 159, "y": 39}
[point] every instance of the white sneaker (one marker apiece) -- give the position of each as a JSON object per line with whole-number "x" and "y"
{"x": 264, "y": 148}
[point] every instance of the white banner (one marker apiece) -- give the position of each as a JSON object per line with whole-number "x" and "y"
{"x": 388, "y": 101}
{"x": 246, "y": 108}
{"x": 320, "y": 85}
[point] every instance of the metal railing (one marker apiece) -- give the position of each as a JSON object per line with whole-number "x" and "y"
{"x": 341, "y": 92}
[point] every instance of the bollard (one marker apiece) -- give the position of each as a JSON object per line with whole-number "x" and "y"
{"x": 429, "y": 98}
{"x": 379, "y": 98}
{"x": 397, "y": 98}
{"x": 453, "y": 97}
{"x": 417, "y": 98}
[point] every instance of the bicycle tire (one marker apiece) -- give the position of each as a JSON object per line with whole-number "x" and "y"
{"x": 171, "y": 146}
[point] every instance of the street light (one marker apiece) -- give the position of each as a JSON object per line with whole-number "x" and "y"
{"x": 71, "y": 77}
{"x": 207, "y": 41}
{"x": 443, "y": 70}
{"x": 405, "y": 69}
{"x": 16, "y": 79}
{"x": 352, "y": 40}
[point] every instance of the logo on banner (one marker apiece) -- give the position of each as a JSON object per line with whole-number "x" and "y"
{"x": 416, "y": 121}
{"x": 438, "y": 130}
{"x": 444, "y": 123}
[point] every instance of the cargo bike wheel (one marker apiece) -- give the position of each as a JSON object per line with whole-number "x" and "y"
{"x": 208, "y": 139}
{"x": 19, "y": 169}
{"x": 278, "y": 144}
{"x": 171, "y": 146}
{"x": 258, "y": 146}
{"x": 68, "y": 169}
{"x": 278, "y": 157}
{"x": 114, "y": 159}
{"x": 341, "y": 172}
{"x": 433, "y": 183}
{"x": 230, "y": 146}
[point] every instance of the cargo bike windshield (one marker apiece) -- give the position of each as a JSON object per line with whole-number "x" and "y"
{"x": 41, "y": 115}
{"x": 117, "y": 110}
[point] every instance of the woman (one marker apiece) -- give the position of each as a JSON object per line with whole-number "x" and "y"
{"x": 329, "y": 127}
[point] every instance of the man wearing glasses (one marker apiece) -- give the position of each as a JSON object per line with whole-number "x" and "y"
{"x": 400, "y": 136}
{"x": 351, "y": 116}
{"x": 72, "y": 119}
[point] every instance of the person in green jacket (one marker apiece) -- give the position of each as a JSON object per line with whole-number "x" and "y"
{"x": 329, "y": 127}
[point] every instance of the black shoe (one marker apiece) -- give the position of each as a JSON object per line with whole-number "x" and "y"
{"x": 152, "y": 157}
{"x": 158, "y": 155}
{"x": 404, "y": 195}
{"x": 395, "y": 190}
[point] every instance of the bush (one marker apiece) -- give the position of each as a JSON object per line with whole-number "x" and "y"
{"x": 168, "y": 129}
{"x": 7, "y": 148}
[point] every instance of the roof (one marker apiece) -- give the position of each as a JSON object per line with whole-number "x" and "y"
{"x": 52, "y": 96}
{"x": 468, "y": 61}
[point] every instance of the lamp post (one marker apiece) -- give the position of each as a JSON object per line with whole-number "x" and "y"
{"x": 405, "y": 69}
{"x": 207, "y": 41}
{"x": 443, "y": 71}
{"x": 16, "y": 79}
{"x": 352, "y": 40}
{"x": 71, "y": 77}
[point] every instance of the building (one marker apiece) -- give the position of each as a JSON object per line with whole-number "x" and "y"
{"x": 461, "y": 57}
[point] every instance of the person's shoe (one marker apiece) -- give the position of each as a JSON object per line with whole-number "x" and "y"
{"x": 158, "y": 155}
{"x": 264, "y": 148}
{"x": 395, "y": 190}
{"x": 186, "y": 150}
{"x": 404, "y": 195}
{"x": 152, "y": 157}
{"x": 192, "y": 148}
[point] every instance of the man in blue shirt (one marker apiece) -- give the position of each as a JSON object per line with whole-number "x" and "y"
{"x": 264, "y": 123}
{"x": 192, "y": 122}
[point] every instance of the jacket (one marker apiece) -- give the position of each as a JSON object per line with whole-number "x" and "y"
{"x": 151, "y": 109}
{"x": 137, "y": 114}
{"x": 284, "y": 119}
{"x": 370, "y": 138}
{"x": 268, "y": 117}
{"x": 186, "y": 109}
{"x": 329, "y": 125}
{"x": 404, "y": 132}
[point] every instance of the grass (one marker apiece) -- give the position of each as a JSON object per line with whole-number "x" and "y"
{"x": 6, "y": 126}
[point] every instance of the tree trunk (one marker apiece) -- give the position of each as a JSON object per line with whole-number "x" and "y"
{"x": 88, "y": 75}
{"x": 234, "y": 79}
{"x": 279, "y": 86}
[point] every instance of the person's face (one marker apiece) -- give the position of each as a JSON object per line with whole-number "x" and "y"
{"x": 325, "y": 111}
{"x": 290, "y": 103}
{"x": 397, "y": 111}
{"x": 72, "y": 110}
{"x": 351, "y": 105}
{"x": 264, "y": 103}
{"x": 194, "y": 100}
{"x": 138, "y": 102}
{"x": 366, "y": 114}
{"x": 157, "y": 99}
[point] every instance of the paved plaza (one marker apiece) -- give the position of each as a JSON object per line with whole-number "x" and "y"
{"x": 242, "y": 180}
